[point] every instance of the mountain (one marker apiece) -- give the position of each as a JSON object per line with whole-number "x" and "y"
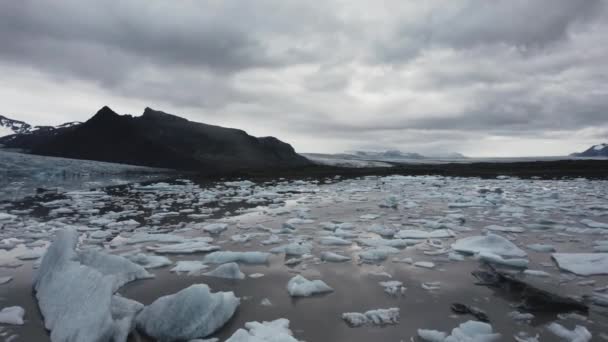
{"x": 159, "y": 139}
{"x": 10, "y": 126}
{"x": 600, "y": 150}
{"x": 396, "y": 155}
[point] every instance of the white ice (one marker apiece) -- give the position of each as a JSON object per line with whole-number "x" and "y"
{"x": 578, "y": 334}
{"x": 228, "y": 271}
{"x": 333, "y": 257}
{"x": 191, "y": 313}
{"x": 584, "y": 264}
{"x": 299, "y": 286}
{"x": 470, "y": 331}
{"x": 12, "y": 315}
{"x": 491, "y": 243}
{"x": 194, "y": 245}
{"x": 192, "y": 267}
{"x": 275, "y": 331}
{"x": 372, "y": 317}
{"x": 243, "y": 257}
{"x": 422, "y": 234}
{"x": 499, "y": 260}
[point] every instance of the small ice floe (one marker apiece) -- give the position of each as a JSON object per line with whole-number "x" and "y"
{"x": 379, "y": 242}
{"x": 31, "y": 255}
{"x": 541, "y": 248}
{"x": 600, "y": 246}
{"x": 536, "y": 273}
{"x": 333, "y": 257}
{"x": 149, "y": 261}
{"x": 294, "y": 248}
{"x": 195, "y": 245}
{"x": 256, "y": 275}
{"x": 377, "y": 254}
{"x": 423, "y": 234}
{"x": 273, "y": 239}
{"x": 393, "y": 287}
{"x": 192, "y": 267}
{"x": 578, "y": 334}
{"x": 424, "y": 264}
{"x": 504, "y": 229}
{"x": 594, "y": 224}
{"x": 468, "y": 331}
{"x": 266, "y": 302}
{"x": 584, "y": 264}
{"x": 227, "y": 271}
{"x": 372, "y": 317}
{"x": 404, "y": 260}
{"x": 499, "y": 260}
{"x": 334, "y": 241}
{"x": 243, "y": 257}
{"x": 599, "y": 299}
{"x": 491, "y": 243}
{"x": 275, "y": 331}
{"x": 215, "y": 228}
{"x": 523, "y": 336}
{"x": 12, "y": 315}
{"x": 10, "y": 264}
{"x": 158, "y": 238}
{"x": 455, "y": 256}
{"x": 4, "y": 280}
{"x": 431, "y": 285}
{"x": 299, "y": 286}
{"x": 521, "y": 316}
{"x": 382, "y": 230}
{"x": 191, "y": 313}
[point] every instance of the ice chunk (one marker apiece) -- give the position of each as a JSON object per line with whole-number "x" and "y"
{"x": 584, "y": 264}
{"x": 491, "y": 243}
{"x": 6, "y": 279}
{"x": 422, "y": 234}
{"x": 124, "y": 311}
{"x": 244, "y": 257}
{"x": 377, "y": 254}
{"x": 12, "y": 315}
{"x": 215, "y": 228}
{"x": 424, "y": 264}
{"x": 159, "y": 238}
{"x": 594, "y": 224}
{"x": 275, "y": 331}
{"x": 299, "y": 286}
{"x": 191, "y": 246}
{"x": 578, "y": 334}
{"x": 334, "y": 241}
{"x": 333, "y": 257}
{"x": 393, "y": 287}
{"x": 466, "y": 332}
{"x": 191, "y": 313}
{"x": 30, "y": 255}
{"x": 149, "y": 261}
{"x": 497, "y": 259}
{"x": 536, "y": 273}
{"x": 75, "y": 298}
{"x": 228, "y": 271}
{"x": 123, "y": 270}
{"x": 379, "y": 242}
{"x": 192, "y": 267}
{"x": 294, "y": 248}
{"x": 498, "y": 228}
{"x": 372, "y": 317}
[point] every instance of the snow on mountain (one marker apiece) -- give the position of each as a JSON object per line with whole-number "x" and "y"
{"x": 10, "y": 126}
{"x": 600, "y": 150}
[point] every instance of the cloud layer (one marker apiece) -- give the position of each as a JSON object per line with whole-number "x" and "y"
{"x": 493, "y": 78}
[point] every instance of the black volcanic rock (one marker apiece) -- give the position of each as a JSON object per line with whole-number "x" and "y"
{"x": 159, "y": 139}
{"x": 600, "y": 150}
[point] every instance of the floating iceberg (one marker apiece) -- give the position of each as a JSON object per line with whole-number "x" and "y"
{"x": 333, "y": 257}
{"x": 215, "y": 228}
{"x": 227, "y": 271}
{"x": 275, "y": 331}
{"x": 191, "y": 313}
{"x": 244, "y": 257}
{"x": 149, "y": 261}
{"x": 466, "y": 332}
{"x": 192, "y": 246}
{"x": 584, "y": 264}
{"x": 499, "y": 260}
{"x": 75, "y": 291}
{"x": 372, "y": 317}
{"x": 578, "y": 334}
{"x": 422, "y": 234}
{"x": 299, "y": 286}
{"x": 192, "y": 267}
{"x": 334, "y": 241}
{"x": 12, "y": 315}
{"x": 491, "y": 243}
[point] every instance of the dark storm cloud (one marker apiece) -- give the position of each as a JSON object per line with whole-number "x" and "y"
{"x": 327, "y": 75}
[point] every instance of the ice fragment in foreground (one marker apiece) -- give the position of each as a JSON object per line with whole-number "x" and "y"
{"x": 372, "y": 317}
{"x": 299, "y": 286}
{"x": 584, "y": 264}
{"x": 491, "y": 243}
{"x": 275, "y": 331}
{"x": 191, "y": 313}
{"x": 244, "y": 257}
{"x": 12, "y": 315}
{"x": 578, "y": 334}
{"x": 465, "y": 332}
{"x": 228, "y": 271}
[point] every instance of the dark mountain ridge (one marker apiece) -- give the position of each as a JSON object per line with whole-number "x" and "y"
{"x": 594, "y": 151}
{"x": 159, "y": 139}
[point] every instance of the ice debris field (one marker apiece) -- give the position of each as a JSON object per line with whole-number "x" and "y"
{"x": 367, "y": 259}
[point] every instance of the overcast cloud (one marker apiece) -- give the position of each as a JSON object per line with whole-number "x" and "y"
{"x": 484, "y": 78}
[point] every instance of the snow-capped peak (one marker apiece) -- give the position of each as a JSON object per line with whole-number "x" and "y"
{"x": 10, "y": 126}
{"x": 600, "y": 147}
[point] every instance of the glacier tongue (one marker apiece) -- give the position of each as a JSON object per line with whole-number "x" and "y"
{"x": 191, "y": 313}
{"x": 76, "y": 299}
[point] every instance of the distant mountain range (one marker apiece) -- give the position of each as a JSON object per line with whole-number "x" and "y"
{"x": 600, "y": 150}
{"x": 396, "y": 154}
{"x": 154, "y": 139}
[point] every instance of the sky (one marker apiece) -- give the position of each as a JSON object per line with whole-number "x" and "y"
{"x": 484, "y": 78}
